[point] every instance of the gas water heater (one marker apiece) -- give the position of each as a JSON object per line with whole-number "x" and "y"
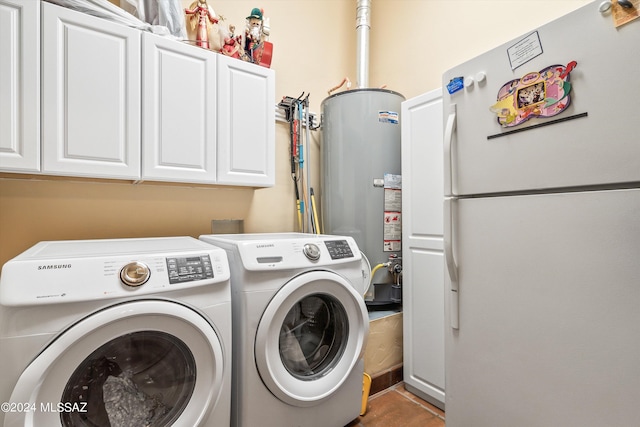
{"x": 360, "y": 178}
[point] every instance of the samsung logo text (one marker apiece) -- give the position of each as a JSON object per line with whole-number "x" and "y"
{"x": 53, "y": 266}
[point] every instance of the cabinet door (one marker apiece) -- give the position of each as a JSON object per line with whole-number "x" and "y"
{"x": 179, "y": 111}
{"x": 422, "y": 246}
{"x": 19, "y": 86}
{"x": 246, "y": 123}
{"x": 90, "y": 95}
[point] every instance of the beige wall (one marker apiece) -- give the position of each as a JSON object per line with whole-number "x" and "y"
{"x": 412, "y": 43}
{"x": 415, "y": 41}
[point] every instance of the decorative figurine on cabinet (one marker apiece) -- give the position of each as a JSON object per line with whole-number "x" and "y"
{"x": 203, "y": 19}
{"x": 256, "y": 47}
{"x": 232, "y": 44}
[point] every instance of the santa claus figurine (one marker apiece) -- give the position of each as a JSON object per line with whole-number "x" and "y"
{"x": 232, "y": 44}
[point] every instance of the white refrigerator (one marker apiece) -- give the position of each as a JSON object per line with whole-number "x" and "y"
{"x": 542, "y": 228}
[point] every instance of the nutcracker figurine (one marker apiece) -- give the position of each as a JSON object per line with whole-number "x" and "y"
{"x": 257, "y": 49}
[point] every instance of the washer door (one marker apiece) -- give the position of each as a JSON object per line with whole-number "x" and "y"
{"x": 310, "y": 336}
{"x": 147, "y": 362}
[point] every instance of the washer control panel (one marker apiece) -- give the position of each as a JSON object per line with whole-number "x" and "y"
{"x": 52, "y": 272}
{"x": 188, "y": 269}
{"x": 339, "y": 249}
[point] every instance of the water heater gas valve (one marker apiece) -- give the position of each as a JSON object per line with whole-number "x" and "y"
{"x": 395, "y": 264}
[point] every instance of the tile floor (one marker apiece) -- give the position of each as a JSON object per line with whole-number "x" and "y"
{"x": 396, "y": 407}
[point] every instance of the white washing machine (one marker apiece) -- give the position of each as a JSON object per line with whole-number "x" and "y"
{"x": 300, "y": 327}
{"x": 116, "y": 332}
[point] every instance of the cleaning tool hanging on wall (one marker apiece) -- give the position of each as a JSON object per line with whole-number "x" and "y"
{"x": 297, "y": 114}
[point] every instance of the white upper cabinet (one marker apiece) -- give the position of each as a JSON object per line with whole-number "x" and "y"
{"x": 84, "y": 96}
{"x": 178, "y": 111}
{"x": 246, "y": 123}
{"x": 90, "y": 95}
{"x": 19, "y": 86}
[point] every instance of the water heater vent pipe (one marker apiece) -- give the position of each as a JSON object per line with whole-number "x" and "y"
{"x": 363, "y": 26}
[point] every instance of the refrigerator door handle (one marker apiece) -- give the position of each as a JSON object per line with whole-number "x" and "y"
{"x": 448, "y": 159}
{"x": 449, "y": 221}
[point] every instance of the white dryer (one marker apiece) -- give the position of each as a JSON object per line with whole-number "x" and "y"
{"x": 300, "y": 327}
{"x": 116, "y": 332}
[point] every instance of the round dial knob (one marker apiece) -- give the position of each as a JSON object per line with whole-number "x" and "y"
{"x": 311, "y": 251}
{"x": 135, "y": 274}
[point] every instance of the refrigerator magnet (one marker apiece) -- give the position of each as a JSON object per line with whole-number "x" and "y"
{"x": 543, "y": 93}
{"x": 456, "y": 84}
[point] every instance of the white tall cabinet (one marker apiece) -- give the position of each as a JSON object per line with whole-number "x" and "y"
{"x": 19, "y": 86}
{"x": 422, "y": 246}
{"x": 90, "y": 95}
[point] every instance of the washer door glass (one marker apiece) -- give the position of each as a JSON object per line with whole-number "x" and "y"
{"x": 313, "y": 336}
{"x": 139, "y": 363}
{"x": 142, "y": 378}
{"x": 310, "y": 337}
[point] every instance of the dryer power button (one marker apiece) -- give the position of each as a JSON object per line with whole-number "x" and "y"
{"x": 135, "y": 274}
{"x": 311, "y": 251}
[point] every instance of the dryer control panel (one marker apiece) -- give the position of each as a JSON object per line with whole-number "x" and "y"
{"x": 281, "y": 252}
